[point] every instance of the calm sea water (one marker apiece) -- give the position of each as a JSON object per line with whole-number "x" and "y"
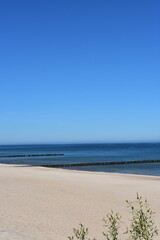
{"x": 81, "y": 153}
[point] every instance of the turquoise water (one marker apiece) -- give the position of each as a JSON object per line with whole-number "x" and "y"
{"x": 84, "y": 153}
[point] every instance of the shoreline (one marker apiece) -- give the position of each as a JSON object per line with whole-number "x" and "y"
{"x": 80, "y": 170}
{"x": 46, "y": 203}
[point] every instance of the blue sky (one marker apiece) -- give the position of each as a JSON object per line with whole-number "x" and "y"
{"x": 79, "y": 71}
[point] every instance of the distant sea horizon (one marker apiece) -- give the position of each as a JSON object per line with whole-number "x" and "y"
{"x": 73, "y": 153}
{"x": 80, "y": 142}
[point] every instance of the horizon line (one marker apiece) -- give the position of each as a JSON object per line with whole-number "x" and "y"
{"x": 80, "y": 142}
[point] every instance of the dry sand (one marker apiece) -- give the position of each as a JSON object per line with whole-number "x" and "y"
{"x": 45, "y": 204}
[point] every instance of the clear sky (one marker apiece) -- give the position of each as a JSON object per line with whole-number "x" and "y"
{"x": 79, "y": 71}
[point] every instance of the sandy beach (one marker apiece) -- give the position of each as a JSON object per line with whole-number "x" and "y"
{"x": 45, "y": 204}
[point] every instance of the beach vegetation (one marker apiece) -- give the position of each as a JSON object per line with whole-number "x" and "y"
{"x": 79, "y": 233}
{"x": 142, "y": 225}
{"x": 112, "y": 225}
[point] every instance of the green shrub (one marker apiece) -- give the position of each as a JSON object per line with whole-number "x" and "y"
{"x": 112, "y": 224}
{"x": 79, "y": 233}
{"x": 142, "y": 226}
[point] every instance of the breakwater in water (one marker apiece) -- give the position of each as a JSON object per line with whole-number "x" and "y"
{"x": 32, "y": 155}
{"x": 99, "y": 163}
{"x": 141, "y": 158}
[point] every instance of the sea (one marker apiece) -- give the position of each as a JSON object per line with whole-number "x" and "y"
{"x": 40, "y": 155}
